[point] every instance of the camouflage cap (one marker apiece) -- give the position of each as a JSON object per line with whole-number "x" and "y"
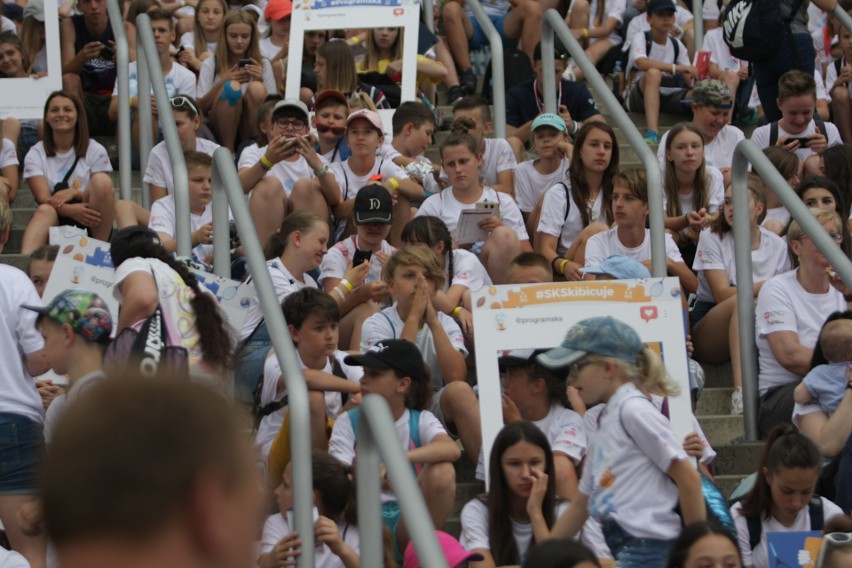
{"x": 712, "y": 93}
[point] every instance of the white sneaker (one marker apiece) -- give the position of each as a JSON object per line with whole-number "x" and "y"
{"x": 737, "y": 401}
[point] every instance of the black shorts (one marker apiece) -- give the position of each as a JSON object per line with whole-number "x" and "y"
{"x": 97, "y": 114}
{"x": 670, "y": 103}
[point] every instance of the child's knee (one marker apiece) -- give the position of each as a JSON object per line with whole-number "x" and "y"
{"x": 653, "y": 75}
{"x": 316, "y": 402}
{"x": 452, "y": 11}
{"x": 459, "y": 394}
{"x": 256, "y": 91}
{"x": 268, "y": 189}
{"x": 100, "y": 186}
{"x": 438, "y": 478}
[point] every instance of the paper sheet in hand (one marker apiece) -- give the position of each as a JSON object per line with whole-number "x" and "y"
{"x": 467, "y": 229}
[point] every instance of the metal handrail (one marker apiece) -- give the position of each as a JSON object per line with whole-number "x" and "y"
{"x": 747, "y": 153}
{"x": 841, "y": 15}
{"x": 146, "y": 130}
{"x": 227, "y": 190}
{"x": 145, "y": 39}
{"x": 698, "y": 23}
{"x": 377, "y": 439}
{"x": 553, "y": 23}
{"x": 122, "y": 63}
{"x": 498, "y": 81}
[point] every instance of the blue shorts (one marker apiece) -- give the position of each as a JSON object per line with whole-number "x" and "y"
{"x": 390, "y": 517}
{"x": 21, "y": 450}
{"x": 479, "y": 38}
{"x": 632, "y": 552}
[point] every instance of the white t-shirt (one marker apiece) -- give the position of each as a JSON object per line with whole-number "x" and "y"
{"x": 662, "y": 53}
{"x": 162, "y": 220}
{"x": 288, "y": 172}
{"x": 59, "y": 405}
{"x": 564, "y": 430}
{"x": 179, "y": 81}
{"x": 467, "y": 271}
{"x": 641, "y": 24}
{"x": 338, "y": 257}
{"x": 779, "y": 214}
{"x": 276, "y": 528}
{"x": 783, "y": 305}
{"x": 10, "y": 558}
{"x": 159, "y": 170}
{"x": 187, "y": 40}
{"x": 18, "y": 337}
{"x": 759, "y": 557}
{"x": 284, "y": 284}
{"x": 388, "y": 325}
{"x": 475, "y": 528}
{"x": 603, "y": 245}
{"x": 207, "y": 77}
{"x": 342, "y": 443}
{"x": 492, "y": 8}
{"x": 718, "y": 153}
{"x": 717, "y": 253}
{"x": 175, "y": 301}
{"x": 720, "y": 53}
{"x": 625, "y": 474}
{"x": 56, "y": 167}
{"x": 350, "y": 183}
{"x": 531, "y": 185}
{"x": 271, "y": 423}
{"x": 715, "y": 193}
{"x": 563, "y": 220}
{"x": 445, "y": 206}
{"x": 249, "y": 156}
{"x": 8, "y": 154}
{"x": 760, "y": 136}
{"x": 614, "y": 9}
{"x": 497, "y": 157}
{"x": 268, "y": 49}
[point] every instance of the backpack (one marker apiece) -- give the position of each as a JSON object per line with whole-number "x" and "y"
{"x": 753, "y": 28}
{"x": 648, "y": 41}
{"x": 567, "y": 198}
{"x": 517, "y": 69}
{"x": 413, "y": 431}
{"x": 773, "y": 129}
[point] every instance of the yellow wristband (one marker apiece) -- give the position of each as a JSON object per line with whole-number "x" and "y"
{"x": 562, "y": 266}
{"x": 456, "y": 311}
{"x": 356, "y": 40}
{"x": 585, "y": 32}
{"x": 348, "y": 284}
{"x": 394, "y": 183}
{"x": 265, "y": 163}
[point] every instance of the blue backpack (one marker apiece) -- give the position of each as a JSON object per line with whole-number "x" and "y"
{"x": 753, "y": 28}
{"x": 413, "y": 431}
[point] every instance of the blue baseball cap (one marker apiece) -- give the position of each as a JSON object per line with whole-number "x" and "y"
{"x": 620, "y": 267}
{"x": 605, "y": 336}
{"x": 551, "y": 120}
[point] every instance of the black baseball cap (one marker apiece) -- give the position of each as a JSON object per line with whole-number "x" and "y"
{"x": 559, "y": 50}
{"x": 518, "y": 358}
{"x": 398, "y": 354}
{"x": 373, "y": 204}
{"x": 127, "y": 241}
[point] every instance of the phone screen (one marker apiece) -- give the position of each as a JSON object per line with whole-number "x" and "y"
{"x": 361, "y": 256}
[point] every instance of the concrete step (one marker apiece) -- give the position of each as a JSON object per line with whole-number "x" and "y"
{"x": 720, "y": 429}
{"x": 727, "y": 483}
{"x": 714, "y": 401}
{"x": 17, "y": 260}
{"x": 717, "y": 375}
{"x": 737, "y": 459}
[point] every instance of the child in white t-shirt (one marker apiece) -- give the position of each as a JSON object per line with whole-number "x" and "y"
{"x": 413, "y": 127}
{"x": 463, "y": 273}
{"x": 533, "y": 177}
{"x": 394, "y": 369}
{"x": 717, "y": 280}
{"x": 162, "y": 218}
{"x": 596, "y": 23}
{"x": 532, "y": 392}
{"x": 826, "y": 384}
{"x": 637, "y": 470}
{"x": 498, "y": 158}
{"x": 414, "y": 276}
{"x": 312, "y": 320}
{"x": 9, "y": 171}
{"x": 521, "y": 499}
{"x": 337, "y": 539}
{"x": 838, "y": 75}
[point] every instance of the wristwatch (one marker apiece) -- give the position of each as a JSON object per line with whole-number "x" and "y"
{"x": 323, "y": 170}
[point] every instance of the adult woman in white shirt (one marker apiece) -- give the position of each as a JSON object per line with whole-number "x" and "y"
{"x": 790, "y": 311}
{"x": 68, "y": 174}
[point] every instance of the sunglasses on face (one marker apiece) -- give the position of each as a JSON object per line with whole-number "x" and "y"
{"x": 336, "y": 130}
{"x": 181, "y": 102}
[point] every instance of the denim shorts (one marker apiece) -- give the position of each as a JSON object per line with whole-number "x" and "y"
{"x": 21, "y": 450}
{"x": 479, "y": 38}
{"x": 632, "y": 552}
{"x": 250, "y": 365}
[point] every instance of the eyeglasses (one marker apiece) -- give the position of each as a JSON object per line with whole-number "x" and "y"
{"x": 835, "y": 236}
{"x": 336, "y": 130}
{"x": 180, "y": 102}
{"x": 579, "y": 366}
{"x": 295, "y": 123}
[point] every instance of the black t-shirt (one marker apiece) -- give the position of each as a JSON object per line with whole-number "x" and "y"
{"x": 523, "y": 104}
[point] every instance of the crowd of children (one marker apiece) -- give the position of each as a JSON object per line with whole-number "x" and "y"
{"x": 374, "y": 259}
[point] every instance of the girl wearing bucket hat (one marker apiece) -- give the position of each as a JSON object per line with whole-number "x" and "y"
{"x": 636, "y": 472}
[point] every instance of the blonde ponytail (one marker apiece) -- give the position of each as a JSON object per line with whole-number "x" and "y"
{"x": 648, "y": 373}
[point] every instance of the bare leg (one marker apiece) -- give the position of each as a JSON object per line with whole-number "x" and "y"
{"x": 842, "y": 112}
{"x": 533, "y": 218}
{"x": 252, "y": 100}
{"x": 438, "y": 485}
{"x": 129, "y": 213}
{"x": 524, "y": 22}
{"x": 650, "y": 85}
{"x": 499, "y": 250}
{"x": 38, "y": 229}
{"x": 443, "y": 55}
{"x": 458, "y": 30}
{"x": 72, "y": 83}
{"x": 267, "y": 206}
{"x": 100, "y": 196}
{"x": 225, "y": 116}
{"x": 307, "y": 195}
{"x": 460, "y": 408}
{"x": 34, "y": 548}
{"x": 517, "y": 147}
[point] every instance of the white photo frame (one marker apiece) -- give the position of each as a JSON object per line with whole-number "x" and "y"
{"x": 24, "y": 98}
{"x": 537, "y": 316}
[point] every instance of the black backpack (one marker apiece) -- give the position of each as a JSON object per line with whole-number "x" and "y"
{"x": 818, "y": 121}
{"x": 753, "y": 28}
{"x": 517, "y": 69}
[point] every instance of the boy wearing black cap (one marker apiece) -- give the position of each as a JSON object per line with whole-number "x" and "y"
{"x": 525, "y": 101}
{"x": 373, "y": 213}
{"x": 659, "y": 69}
